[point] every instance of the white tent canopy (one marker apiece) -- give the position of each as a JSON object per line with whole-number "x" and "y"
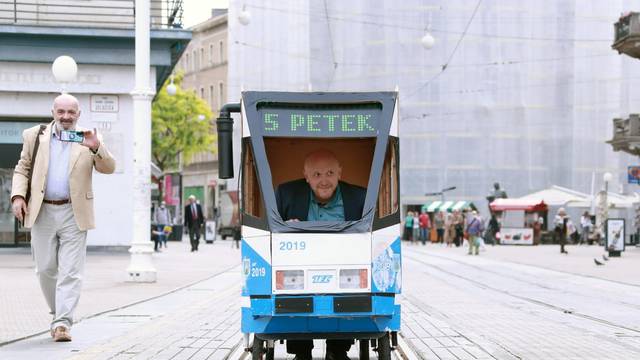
{"x": 560, "y": 196}
{"x": 614, "y": 200}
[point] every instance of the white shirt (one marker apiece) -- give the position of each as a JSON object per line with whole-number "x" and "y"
{"x": 57, "y": 187}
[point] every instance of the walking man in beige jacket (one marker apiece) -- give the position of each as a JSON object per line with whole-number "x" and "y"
{"x": 59, "y": 210}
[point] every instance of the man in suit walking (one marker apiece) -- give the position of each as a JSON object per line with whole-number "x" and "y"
{"x": 320, "y": 196}
{"x": 193, "y": 220}
{"x": 59, "y": 210}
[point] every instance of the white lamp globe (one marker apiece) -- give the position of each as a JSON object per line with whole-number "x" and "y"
{"x": 171, "y": 89}
{"x": 64, "y": 69}
{"x": 201, "y": 117}
{"x": 428, "y": 41}
{"x": 245, "y": 17}
{"x": 607, "y": 177}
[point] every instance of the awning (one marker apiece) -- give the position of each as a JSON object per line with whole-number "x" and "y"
{"x": 518, "y": 204}
{"x": 438, "y": 205}
{"x": 155, "y": 171}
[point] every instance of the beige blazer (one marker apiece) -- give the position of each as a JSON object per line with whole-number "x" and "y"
{"x": 82, "y": 161}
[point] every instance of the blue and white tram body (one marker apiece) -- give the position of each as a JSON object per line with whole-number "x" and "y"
{"x": 320, "y": 279}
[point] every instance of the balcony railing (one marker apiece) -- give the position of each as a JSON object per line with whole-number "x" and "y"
{"x": 118, "y": 14}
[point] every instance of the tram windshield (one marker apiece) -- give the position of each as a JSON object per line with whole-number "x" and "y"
{"x": 284, "y": 136}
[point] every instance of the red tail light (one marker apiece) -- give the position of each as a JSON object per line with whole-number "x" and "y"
{"x": 364, "y": 278}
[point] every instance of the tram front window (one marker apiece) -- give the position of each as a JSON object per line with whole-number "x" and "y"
{"x": 320, "y": 179}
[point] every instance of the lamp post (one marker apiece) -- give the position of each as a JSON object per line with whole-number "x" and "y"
{"x": 441, "y": 192}
{"x": 141, "y": 267}
{"x": 607, "y": 177}
{"x": 64, "y": 69}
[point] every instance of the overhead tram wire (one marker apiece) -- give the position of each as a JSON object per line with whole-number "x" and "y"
{"x": 444, "y": 67}
{"x": 435, "y": 30}
{"x": 422, "y": 66}
{"x": 413, "y": 10}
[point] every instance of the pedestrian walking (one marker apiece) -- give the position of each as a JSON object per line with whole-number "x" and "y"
{"x": 425, "y": 226}
{"x": 408, "y": 227}
{"x": 416, "y": 227}
{"x": 493, "y": 228}
{"x": 537, "y": 224}
{"x": 450, "y": 229}
{"x": 52, "y": 194}
{"x": 459, "y": 225}
{"x": 475, "y": 228}
{"x": 193, "y": 220}
{"x": 566, "y": 229}
{"x": 586, "y": 225}
{"x": 439, "y": 223}
{"x": 162, "y": 217}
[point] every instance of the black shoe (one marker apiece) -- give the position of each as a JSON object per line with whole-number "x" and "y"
{"x": 302, "y": 357}
{"x": 336, "y": 356}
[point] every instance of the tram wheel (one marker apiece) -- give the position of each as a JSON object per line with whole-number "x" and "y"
{"x": 384, "y": 348}
{"x": 257, "y": 349}
{"x": 364, "y": 349}
{"x": 270, "y": 353}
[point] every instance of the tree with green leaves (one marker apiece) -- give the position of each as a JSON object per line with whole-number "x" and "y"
{"x": 180, "y": 125}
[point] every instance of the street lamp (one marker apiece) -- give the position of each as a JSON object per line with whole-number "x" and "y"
{"x": 603, "y": 205}
{"x": 441, "y": 192}
{"x": 245, "y": 16}
{"x": 172, "y": 88}
{"x": 427, "y": 40}
{"x": 64, "y": 69}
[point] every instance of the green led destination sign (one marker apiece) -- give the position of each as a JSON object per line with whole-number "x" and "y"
{"x": 323, "y": 122}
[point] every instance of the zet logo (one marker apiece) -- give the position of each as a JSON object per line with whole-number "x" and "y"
{"x": 321, "y": 279}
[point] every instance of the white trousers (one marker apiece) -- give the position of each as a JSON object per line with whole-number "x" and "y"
{"x": 59, "y": 250}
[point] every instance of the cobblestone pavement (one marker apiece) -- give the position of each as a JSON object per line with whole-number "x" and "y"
{"x": 467, "y": 307}
{"x": 454, "y": 307}
{"x": 24, "y": 312}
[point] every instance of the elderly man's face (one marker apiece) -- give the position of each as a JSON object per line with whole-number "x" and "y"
{"x": 322, "y": 174}
{"x": 65, "y": 112}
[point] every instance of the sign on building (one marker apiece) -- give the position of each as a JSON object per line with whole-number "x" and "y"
{"x": 633, "y": 175}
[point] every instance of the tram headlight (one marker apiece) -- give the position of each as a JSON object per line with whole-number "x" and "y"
{"x": 354, "y": 278}
{"x": 289, "y": 279}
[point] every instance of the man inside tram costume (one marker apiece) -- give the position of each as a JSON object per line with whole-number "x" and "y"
{"x": 320, "y": 196}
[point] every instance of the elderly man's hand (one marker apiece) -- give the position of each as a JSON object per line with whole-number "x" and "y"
{"x": 91, "y": 140}
{"x": 19, "y": 207}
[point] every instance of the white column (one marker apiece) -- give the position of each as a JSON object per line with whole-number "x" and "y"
{"x": 141, "y": 267}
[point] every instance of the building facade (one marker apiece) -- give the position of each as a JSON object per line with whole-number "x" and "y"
{"x": 205, "y": 66}
{"x": 510, "y": 92}
{"x": 104, "y": 52}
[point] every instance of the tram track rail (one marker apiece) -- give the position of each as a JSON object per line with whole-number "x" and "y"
{"x": 476, "y": 282}
{"x": 402, "y": 352}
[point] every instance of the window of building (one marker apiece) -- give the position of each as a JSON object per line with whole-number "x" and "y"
{"x": 221, "y": 93}
{"x": 211, "y": 99}
{"x": 187, "y": 66}
{"x": 202, "y": 62}
{"x": 211, "y": 54}
{"x": 202, "y": 93}
{"x": 221, "y": 50}
{"x": 195, "y": 60}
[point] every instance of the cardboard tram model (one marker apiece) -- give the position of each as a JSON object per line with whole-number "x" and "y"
{"x": 317, "y": 279}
